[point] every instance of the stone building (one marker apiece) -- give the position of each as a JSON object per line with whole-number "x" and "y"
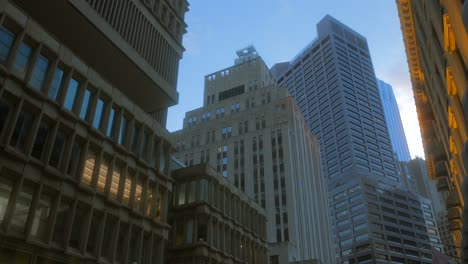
{"x": 250, "y": 130}
{"x": 436, "y": 42}
{"x": 213, "y": 221}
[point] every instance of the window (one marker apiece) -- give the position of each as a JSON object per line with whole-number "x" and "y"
{"x": 41, "y": 222}
{"x": 127, "y": 188}
{"x": 149, "y": 198}
{"x": 39, "y": 72}
{"x": 56, "y": 84}
{"x": 88, "y": 171}
{"x": 115, "y": 181}
{"x": 5, "y": 110}
{"x": 94, "y": 230}
{"x": 100, "y": 108}
{"x": 57, "y": 150}
{"x": 22, "y": 206}
{"x": 109, "y": 235}
{"x": 6, "y": 186}
{"x": 144, "y": 145}
{"x": 85, "y": 105}
{"x": 22, "y": 58}
{"x": 71, "y": 94}
{"x": 21, "y": 132}
{"x": 6, "y": 41}
{"x": 102, "y": 177}
{"x": 181, "y": 194}
{"x": 78, "y": 227}
{"x": 41, "y": 139}
{"x": 123, "y": 130}
{"x": 64, "y": 211}
{"x": 136, "y": 134}
{"x": 75, "y": 158}
{"x": 112, "y": 119}
{"x": 160, "y": 204}
{"x": 139, "y": 194}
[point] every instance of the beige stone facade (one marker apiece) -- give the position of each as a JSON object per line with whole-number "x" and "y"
{"x": 252, "y": 133}
{"x": 214, "y": 222}
{"x": 437, "y": 48}
{"x": 84, "y": 169}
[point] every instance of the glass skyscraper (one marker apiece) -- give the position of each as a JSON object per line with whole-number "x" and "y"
{"x": 394, "y": 124}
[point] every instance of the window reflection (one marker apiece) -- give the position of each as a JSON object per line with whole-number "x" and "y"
{"x": 5, "y": 192}
{"x": 71, "y": 94}
{"x": 39, "y": 72}
{"x": 22, "y": 58}
{"x": 22, "y": 206}
{"x": 98, "y": 114}
{"x": 103, "y": 170}
{"x": 85, "y": 105}
{"x": 115, "y": 180}
{"x": 127, "y": 189}
{"x": 56, "y": 84}
{"x": 87, "y": 177}
{"x": 6, "y": 41}
{"x": 40, "y": 225}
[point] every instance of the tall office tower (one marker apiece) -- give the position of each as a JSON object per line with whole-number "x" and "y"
{"x": 393, "y": 119}
{"x": 253, "y": 134}
{"x": 436, "y": 42}
{"x": 333, "y": 83}
{"x": 332, "y": 80}
{"x": 84, "y": 168}
{"x": 213, "y": 221}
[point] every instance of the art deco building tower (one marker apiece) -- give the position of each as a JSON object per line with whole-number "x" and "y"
{"x": 436, "y": 42}
{"x": 84, "y": 153}
{"x": 253, "y": 134}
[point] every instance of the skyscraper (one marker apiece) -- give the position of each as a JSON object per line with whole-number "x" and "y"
{"x": 84, "y": 154}
{"x": 436, "y": 42}
{"x": 253, "y": 134}
{"x": 333, "y": 83}
{"x": 393, "y": 119}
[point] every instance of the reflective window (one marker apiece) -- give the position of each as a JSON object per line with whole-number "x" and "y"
{"x": 5, "y": 110}
{"x": 41, "y": 140}
{"x": 39, "y": 72}
{"x": 85, "y": 105}
{"x": 139, "y": 194}
{"x": 181, "y": 194}
{"x": 160, "y": 204}
{"x": 22, "y": 206}
{"x": 21, "y": 132}
{"x": 41, "y": 222}
{"x": 136, "y": 134}
{"x": 6, "y": 41}
{"x": 110, "y": 126}
{"x": 22, "y": 58}
{"x": 74, "y": 159}
{"x": 144, "y": 145}
{"x": 94, "y": 230}
{"x": 61, "y": 221}
{"x": 56, "y": 84}
{"x": 123, "y": 130}
{"x": 71, "y": 94}
{"x": 98, "y": 114}
{"x": 78, "y": 226}
{"x": 127, "y": 189}
{"x": 103, "y": 170}
{"x": 6, "y": 186}
{"x": 57, "y": 149}
{"x": 109, "y": 235}
{"x": 87, "y": 177}
{"x": 115, "y": 181}
{"x": 150, "y": 199}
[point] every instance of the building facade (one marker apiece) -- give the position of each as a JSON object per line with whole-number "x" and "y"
{"x": 213, "y": 221}
{"x": 84, "y": 155}
{"x": 333, "y": 83}
{"x": 394, "y": 124}
{"x": 381, "y": 223}
{"x": 436, "y": 44}
{"x": 252, "y": 133}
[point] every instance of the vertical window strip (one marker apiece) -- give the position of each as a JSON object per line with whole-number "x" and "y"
{"x": 87, "y": 177}
{"x": 103, "y": 170}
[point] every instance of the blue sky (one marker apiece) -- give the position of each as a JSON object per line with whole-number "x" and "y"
{"x": 279, "y": 29}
